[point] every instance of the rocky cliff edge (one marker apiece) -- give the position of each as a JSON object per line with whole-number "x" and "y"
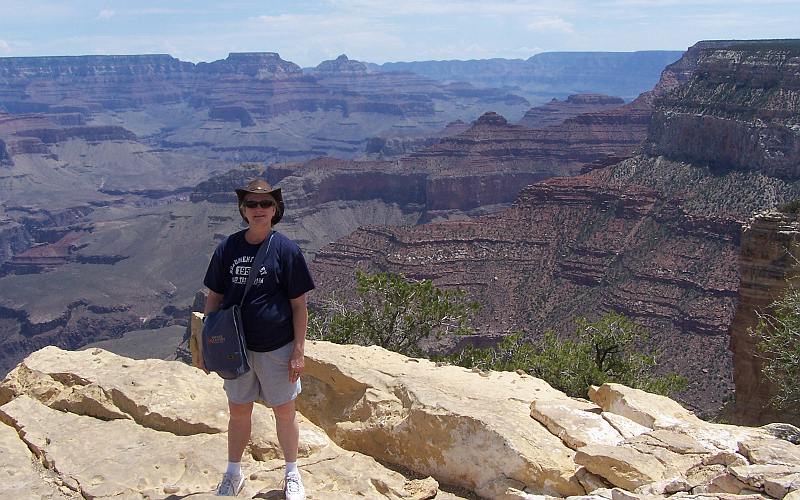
{"x": 95, "y": 425}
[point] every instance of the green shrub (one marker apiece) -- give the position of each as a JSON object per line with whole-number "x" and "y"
{"x": 402, "y": 315}
{"x": 778, "y": 334}
{"x": 607, "y": 350}
{"x": 394, "y": 312}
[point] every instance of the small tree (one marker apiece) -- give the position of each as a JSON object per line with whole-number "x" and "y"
{"x": 778, "y": 334}
{"x": 607, "y": 350}
{"x": 394, "y": 312}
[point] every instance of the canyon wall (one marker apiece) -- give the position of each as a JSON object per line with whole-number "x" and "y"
{"x": 739, "y": 111}
{"x": 655, "y": 236}
{"x": 767, "y": 264}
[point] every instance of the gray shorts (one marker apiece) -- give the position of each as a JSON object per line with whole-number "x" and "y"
{"x": 267, "y": 380}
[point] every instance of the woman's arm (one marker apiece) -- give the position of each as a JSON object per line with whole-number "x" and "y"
{"x": 213, "y": 302}
{"x": 300, "y": 323}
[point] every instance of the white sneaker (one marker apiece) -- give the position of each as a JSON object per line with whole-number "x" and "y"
{"x": 294, "y": 487}
{"x": 231, "y": 485}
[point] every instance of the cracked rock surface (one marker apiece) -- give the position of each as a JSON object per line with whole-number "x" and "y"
{"x": 91, "y": 424}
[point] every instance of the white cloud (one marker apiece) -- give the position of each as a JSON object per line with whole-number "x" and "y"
{"x": 4, "y": 47}
{"x": 551, "y": 24}
{"x": 389, "y": 8}
{"x": 105, "y": 14}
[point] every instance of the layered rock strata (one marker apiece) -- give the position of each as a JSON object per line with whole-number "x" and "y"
{"x": 568, "y": 248}
{"x": 767, "y": 265}
{"x": 739, "y": 111}
{"x": 649, "y": 237}
{"x": 502, "y": 435}
{"x": 556, "y": 111}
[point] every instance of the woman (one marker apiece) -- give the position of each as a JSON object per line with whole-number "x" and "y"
{"x": 275, "y": 319}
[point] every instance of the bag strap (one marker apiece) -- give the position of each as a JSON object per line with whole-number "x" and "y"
{"x": 256, "y": 266}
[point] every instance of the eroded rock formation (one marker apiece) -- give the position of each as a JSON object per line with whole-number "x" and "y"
{"x": 555, "y": 112}
{"x": 502, "y": 435}
{"x": 748, "y": 99}
{"x": 767, "y": 264}
{"x": 650, "y": 237}
{"x": 105, "y": 426}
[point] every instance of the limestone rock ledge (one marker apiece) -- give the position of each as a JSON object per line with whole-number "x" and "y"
{"x": 95, "y": 425}
{"x": 91, "y": 424}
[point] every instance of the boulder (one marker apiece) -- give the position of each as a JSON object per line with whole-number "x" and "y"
{"x": 771, "y": 451}
{"x": 650, "y": 410}
{"x": 775, "y": 480}
{"x": 116, "y": 457}
{"x": 725, "y": 458}
{"x": 445, "y": 421}
{"x": 170, "y": 397}
{"x": 660, "y": 412}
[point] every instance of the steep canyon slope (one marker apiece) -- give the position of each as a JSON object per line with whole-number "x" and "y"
{"x": 136, "y": 205}
{"x": 655, "y": 236}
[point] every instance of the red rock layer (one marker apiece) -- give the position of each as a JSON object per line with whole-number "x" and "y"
{"x": 568, "y": 248}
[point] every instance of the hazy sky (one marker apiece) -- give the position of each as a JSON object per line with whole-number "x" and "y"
{"x": 307, "y": 32}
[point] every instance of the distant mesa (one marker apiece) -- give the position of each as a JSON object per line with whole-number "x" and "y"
{"x": 556, "y": 111}
{"x": 254, "y": 64}
{"x": 697, "y": 123}
{"x": 341, "y": 65}
{"x": 92, "y": 134}
{"x": 491, "y": 119}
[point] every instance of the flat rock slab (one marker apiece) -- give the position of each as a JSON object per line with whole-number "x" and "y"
{"x": 464, "y": 428}
{"x": 571, "y": 421}
{"x": 649, "y": 410}
{"x": 625, "y": 426}
{"x": 771, "y": 452}
{"x": 167, "y": 396}
{"x": 775, "y": 480}
{"x": 621, "y": 466}
{"x": 21, "y": 475}
{"x": 116, "y": 457}
{"x": 660, "y": 412}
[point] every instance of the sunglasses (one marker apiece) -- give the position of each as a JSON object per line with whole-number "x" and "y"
{"x": 262, "y": 203}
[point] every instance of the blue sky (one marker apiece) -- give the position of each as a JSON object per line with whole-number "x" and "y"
{"x": 307, "y": 32}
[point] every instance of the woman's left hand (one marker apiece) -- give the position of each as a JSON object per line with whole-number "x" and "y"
{"x": 297, "y": 364}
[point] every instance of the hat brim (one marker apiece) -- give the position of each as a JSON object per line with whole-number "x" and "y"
{"x": 275, "y": 193}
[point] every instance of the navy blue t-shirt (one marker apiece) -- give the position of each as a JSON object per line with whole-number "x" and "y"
{"x": 284, "y": 275}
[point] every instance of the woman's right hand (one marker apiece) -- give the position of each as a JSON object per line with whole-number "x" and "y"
{"x": 202, "y": 365}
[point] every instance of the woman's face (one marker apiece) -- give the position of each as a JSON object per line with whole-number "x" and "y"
{"x": 259, "y": 209}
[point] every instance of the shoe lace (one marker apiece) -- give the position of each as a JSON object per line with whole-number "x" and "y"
{"x": 227, "y": 484}
{"x": 292, "y": 483}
